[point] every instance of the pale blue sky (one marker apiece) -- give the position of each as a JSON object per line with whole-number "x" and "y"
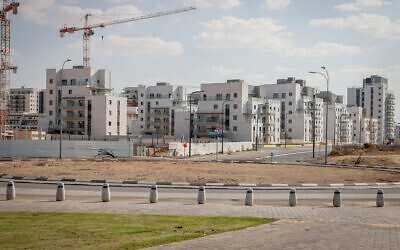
{"x": 258, "y": 41}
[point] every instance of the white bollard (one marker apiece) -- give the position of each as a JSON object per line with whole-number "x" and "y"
{"x": 60, "y": 195}
{"x": 292, "y": 197}
{"x": 10, "y": 192}
{"x": 249, "y": 197}
{"x": 337, "y": 198}
{"x": 105, "y": 193}
{"x": 380, "y": 199}
{"x": 153, "y": 194}
{"x": 201, "y": 196}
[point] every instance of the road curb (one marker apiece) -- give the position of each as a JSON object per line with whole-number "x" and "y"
{"x": 188, "y": 184}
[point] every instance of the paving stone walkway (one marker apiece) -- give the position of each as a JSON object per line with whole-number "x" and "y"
{"x": 301, "y": 227}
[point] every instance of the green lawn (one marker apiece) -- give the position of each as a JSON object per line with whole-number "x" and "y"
{"x": 21, "y": 230}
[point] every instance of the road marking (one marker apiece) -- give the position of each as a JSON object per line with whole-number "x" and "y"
{"x": 247, "y": 185}
{"x": 360, "y": 184}
{"x": 336, "y": 184}
{"x": 295, "y": 153}
{"x": 309, "y": 185}
{"x": 279, "y": 185}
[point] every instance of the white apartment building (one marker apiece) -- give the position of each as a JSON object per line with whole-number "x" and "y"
{"x": 24, "y": 100}
{"x": 300, "y": 110}
{"x": 374, "y": 98}
{"x": 234, "y": 109}
{"x": 157, "y": 110}
{"x": 363, "y": 126}
{"x": 86, "y": 104}
{"x": 131, "y": 93}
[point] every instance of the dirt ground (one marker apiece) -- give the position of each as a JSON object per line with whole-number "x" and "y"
{"x": 196, "y": 172}
{"x": 371, "y": 156}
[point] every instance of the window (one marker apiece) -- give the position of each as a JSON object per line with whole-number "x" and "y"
{"x": 228, "y": 97}
{"x": 290, "y": 130}
{"x": 110, "y": 102}
{"x": 290, "y": 103}
{"x": 283, "y": 95}
{"x": 219, "y": 96}
{"x": 275, "y": 95}
{"x": 158, "y": 95}
{"x": 51, "y": 80}
{"x": 235, "y": 106}
{"x": 70, "y": 91}
{"x": 109, "y": 112}
{"x": 109, "y": 123}
{"x": 51, "y": 91}
{"x": 141, "y": 119}
{"x": 141, "y": 95}
{"x": 290, "y": 121}
{"x": 235, "y": 117}
{"x": 290, "y": 93}
{"x": 234, "y": 128}
{"x": 50, "y": 102}
{"x": 141, "y": 103}
{"x": 215, "y": 106}
{"x": 235, "y": 95}
{"x": 157, "y": 103}
{"x": 290, "y": 112}
{"x": 50, "y": 112}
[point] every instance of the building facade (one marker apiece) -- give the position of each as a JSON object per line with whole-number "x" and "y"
{"x": 24, "y": 100}
{"x": 86, "y": 103}
{"x": 377, "y": 103}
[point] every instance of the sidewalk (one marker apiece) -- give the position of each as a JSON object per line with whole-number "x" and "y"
{"x": 302, "y": 227}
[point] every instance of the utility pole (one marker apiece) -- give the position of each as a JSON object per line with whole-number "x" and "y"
{"x": 257, "y": 131}
{"x": 313, "y": 142}
{"x": 61, "y": 107}
{"x": 285, "y": 128}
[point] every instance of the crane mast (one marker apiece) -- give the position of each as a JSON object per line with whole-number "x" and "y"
{"x": 88, "y": 29}
{"x": 5, "y": 62}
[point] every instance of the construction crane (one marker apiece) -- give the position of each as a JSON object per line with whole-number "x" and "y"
{"x": 5, "y": 63}
{"x": 88, "y": 28}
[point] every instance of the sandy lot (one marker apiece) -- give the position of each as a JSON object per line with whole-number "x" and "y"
{"x": 369, "y": 157}
{"x": 196, "y": 172}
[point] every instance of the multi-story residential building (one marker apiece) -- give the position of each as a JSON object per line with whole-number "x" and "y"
{"x": 235, "y": 109}
{"x": 339, "y": 125}
{"x": 300, "y": 110}
{"x": 157, "y": 108}
{"x": 24, "y": 100}
{"x": 131, "y": 93}
{"x": 364, "y": 128}
{"x": 87, "y": 105}
{"x": 374, "y": 98}
{"x": 25, "y": 121}
{"x": 389, "y": 117}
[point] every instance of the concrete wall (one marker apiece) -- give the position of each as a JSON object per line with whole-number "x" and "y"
{"x": 28, "y": 148}
{"x": 177, "y": 149}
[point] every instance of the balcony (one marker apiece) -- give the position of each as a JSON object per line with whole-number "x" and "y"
{"x": 209, "y": 121}
{"x": 74, "y": 117}
{"x": 267, "y": 112}
{"x": 73, "y": 106}
{"x": 158, "y": 122}
{"x": 158, "y": 113}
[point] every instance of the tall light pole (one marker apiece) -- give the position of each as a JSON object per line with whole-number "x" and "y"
{"x": 61, "y": 120}
{"x": 223, "y": 124}
{"x": 326, "y": 76}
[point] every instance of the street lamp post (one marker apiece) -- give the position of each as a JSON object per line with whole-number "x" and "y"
{"x": 223, "y": 125}
{"x": 326, "y": 76}
{"x": 61, "y": 120}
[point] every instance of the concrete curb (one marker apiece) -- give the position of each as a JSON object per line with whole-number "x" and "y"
{"x": 195, "y": 184}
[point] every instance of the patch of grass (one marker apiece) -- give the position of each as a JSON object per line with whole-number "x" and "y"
{"x": 44, "y": 230}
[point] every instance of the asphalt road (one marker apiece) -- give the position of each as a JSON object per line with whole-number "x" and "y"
{"x": 281, "y": 154}
{"x": 267, "y": 196}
